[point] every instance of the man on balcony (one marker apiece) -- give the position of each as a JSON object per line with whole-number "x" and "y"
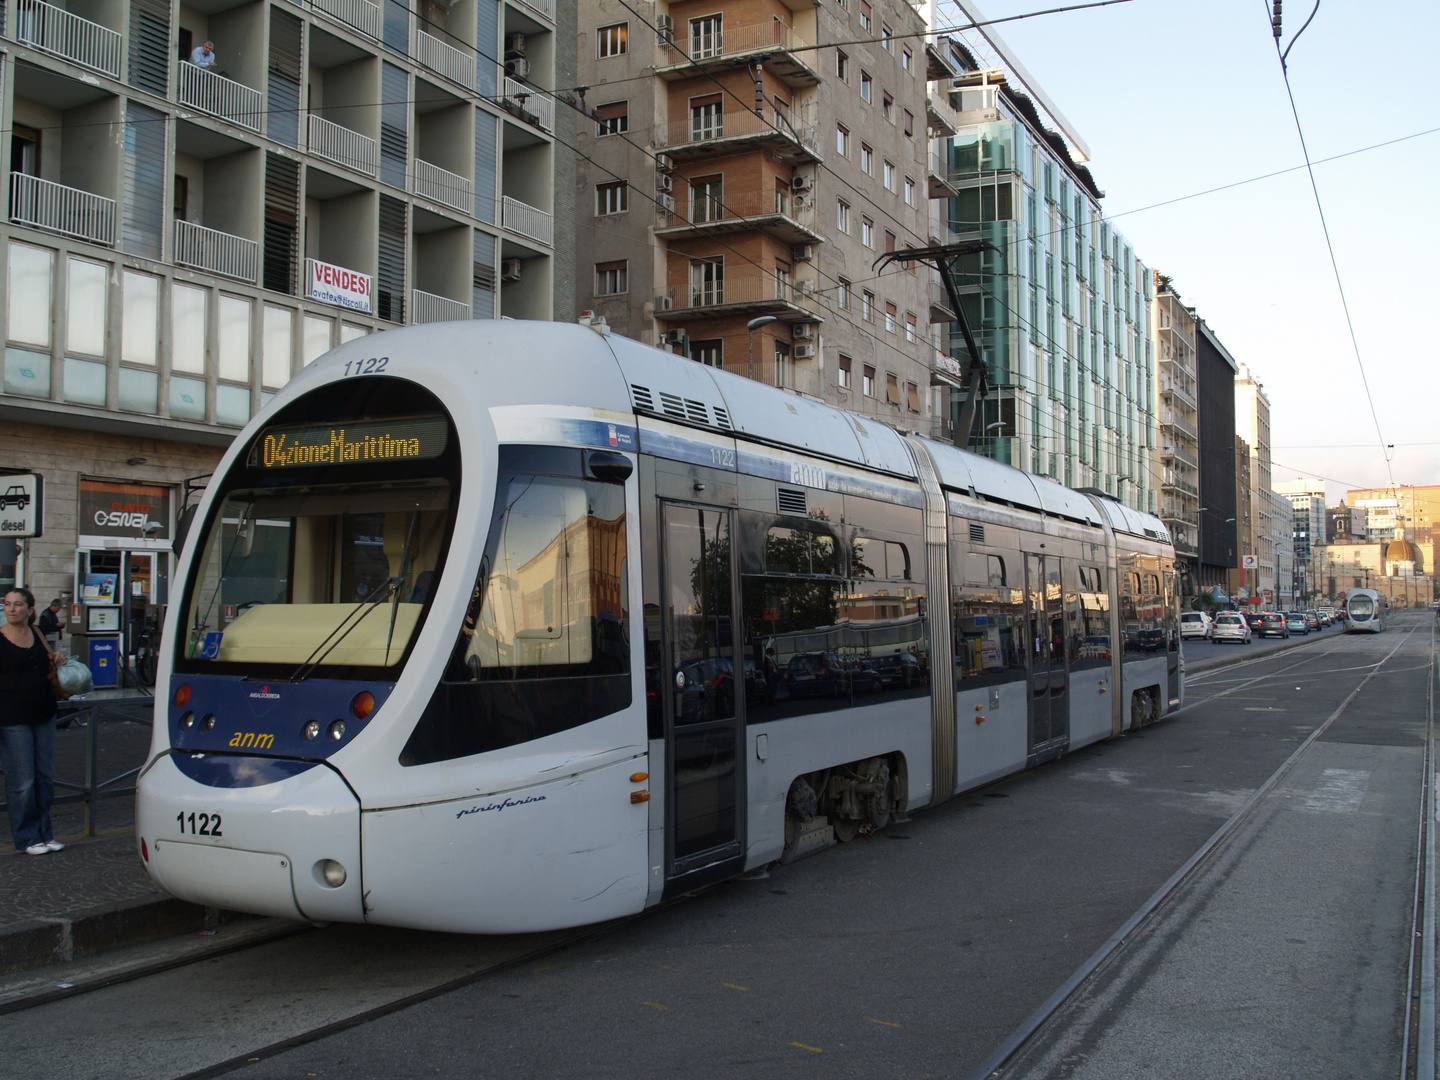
{"x": 204, "y": 56}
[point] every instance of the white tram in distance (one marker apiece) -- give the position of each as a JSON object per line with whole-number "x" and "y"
{"x": 1365, "y": 611}
{"x": 502, "y": 626}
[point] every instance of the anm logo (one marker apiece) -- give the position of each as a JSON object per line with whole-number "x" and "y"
{"x": 258, "y": 740}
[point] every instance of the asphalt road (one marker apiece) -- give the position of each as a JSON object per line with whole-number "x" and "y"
{"x": 910, "y": 953}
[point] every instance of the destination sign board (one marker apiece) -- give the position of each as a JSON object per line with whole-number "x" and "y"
{"x": 301, "y": 446}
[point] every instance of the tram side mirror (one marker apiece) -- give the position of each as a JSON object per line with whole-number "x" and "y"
{"x": 182, "y": 527}
{"x": 608, "y": 466}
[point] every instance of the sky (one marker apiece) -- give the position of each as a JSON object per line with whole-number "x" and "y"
{"x": 1175, "y": 97}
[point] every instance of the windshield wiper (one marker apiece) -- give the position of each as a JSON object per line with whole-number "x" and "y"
{"x": 399, "y": 581}
{"x": 370, "y": 603}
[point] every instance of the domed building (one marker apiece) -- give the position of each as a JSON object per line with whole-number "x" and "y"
{"x": 1403, "y": 559}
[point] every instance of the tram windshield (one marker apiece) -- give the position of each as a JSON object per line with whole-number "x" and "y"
{"x": 317, "y": 576}
{"x": 1361, "y": 606}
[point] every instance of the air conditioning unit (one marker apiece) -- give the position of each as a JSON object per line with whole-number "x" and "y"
{"x": 802, "y": 183}
{"x": 665, "y": 29}
{"x": 515, "y": 44}
{"x": 664, "y": 162}
{"x": 674, "y": 337}
{"x": 509, "y": 269}
{"x": 806, "y": 286}
{"x": 517, "y": 67}
{"x": 803, "y": 252}
{"x": 804, "y": 352}
{"x": 664, "y": 303}
{"x": 667, "y": 203}
{"x": 664, "y": 182}
{"x": 804, "y": 331}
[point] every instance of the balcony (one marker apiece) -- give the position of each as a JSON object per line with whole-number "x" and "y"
{"x": 788, "y": 217}
{"x": 61, "y": 209}
{"x": 1168, "y": 386}
{"x": 544, "y": 8}
{"x": 526, "y": 220}
{"x": 360, "y": 15}
{"x": 1171, "y": 420}
{"x": 54, "y": 30}
{"x": 215, "y": 94}
{"x": 1175, "y": 453}
{"x": 938, "y": 113}
{"x": 941, "y": 310}
{"x": 741, "y": 294}
{"x": 437, "y": 184}
{"x": 528, "y": 100}
{"x": 343, "y": 146}
{"x": 711, "y": 134}
{"x": 431, "y": 308}
{"x": 722, "y": 49}
{"x": 216, "y": 252}
{"x": 937, "y": 175}
{"x": 444, "y": 59}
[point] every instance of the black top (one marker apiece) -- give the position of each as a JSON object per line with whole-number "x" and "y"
{"x": 25, "y": 696}
{"x": 50, "y": 622}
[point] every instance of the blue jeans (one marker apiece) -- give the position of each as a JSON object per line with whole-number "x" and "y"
{"x": 27, "y": 754}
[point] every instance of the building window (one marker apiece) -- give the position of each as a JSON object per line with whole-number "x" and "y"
{"x": 865, "y": 85}
{"x": 614, "y": 118}
{"x": 865, "y": 20}
{"x": 867, "y": 160}
{"x": 909, "y": 122}
{"x": 892, "y": 389}
{"x": 844, "y": 376}
{"x": 887, "y": 107}
{"x": 613, "y": 39}
{"x": 611, "y": 278}
{"x": 889, "y": 174}
{"x": 842, "y": 65}
{"x": 867, "y": 305}
{"x": 707, "y": 198}
{"x": 912, "y": 396}
{"x": 707, "y": 117}
{"x": 705, "y": 39}
{"x": 890, "y": 312}
{"x": 910, "y": 324}
{"x": 842, "y": 295}
{"x": 907, "y": 59}
{"x": 612, "y": 198}
{"x": 867, "y": 385}
{"x": 867, "y": 232}
{"x": 842, "y": 140}
{"x": 909, "y": 192}
{"x": 710, "y": 352}
{"x": 889, "y": 240}
{"x": 707, "y": 282}
{"x": 886, "y": 37}
{"x": 842, "y": 215}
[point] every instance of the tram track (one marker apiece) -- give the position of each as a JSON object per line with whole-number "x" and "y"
{"x": 1024, "y": 1035}
{"x": 1420, "y": 1008}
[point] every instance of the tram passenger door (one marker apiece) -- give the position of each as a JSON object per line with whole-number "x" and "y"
{"x": 1049, "y": 679}
{"x": 703, "y": 729}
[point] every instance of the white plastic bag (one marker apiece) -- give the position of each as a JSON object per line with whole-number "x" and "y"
{"x": 75, "y": 677}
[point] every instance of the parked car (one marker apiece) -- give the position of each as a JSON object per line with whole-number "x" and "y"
{"x": 1296, "y": 622}
{"x": 1273, "y": 625}
{"x": 1195, "y": 624}
{"x": 1230, "y": 626}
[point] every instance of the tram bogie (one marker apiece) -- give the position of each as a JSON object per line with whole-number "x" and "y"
{"x": 540, "y": 627}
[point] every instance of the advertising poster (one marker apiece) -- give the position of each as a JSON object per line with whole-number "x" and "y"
{"x": 99, "y": 588}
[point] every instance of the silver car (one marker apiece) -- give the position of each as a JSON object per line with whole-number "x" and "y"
{"x": 1230, "y": 626}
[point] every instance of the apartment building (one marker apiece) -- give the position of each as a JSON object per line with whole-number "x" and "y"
{"x": 1252, "y": 423}
{"x": 1058, "y": 299}
{"x": 182, "y": 237}
{"x": 1172, "y": 326}
{"x": 742, "y": 178}
{"x": 1307, "y": 532}
{"x": 1218, "y": 548}
{"x": 1404, "y": 511}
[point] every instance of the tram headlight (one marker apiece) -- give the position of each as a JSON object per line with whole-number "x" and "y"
{"x": 331, "y": 873}
{"x": 310, "y": 731}
{"x": 187, "y": 721}
{"x": 362, "y": 705}
{"x": 337, "y": 730}
{"x": 208, "y": 723}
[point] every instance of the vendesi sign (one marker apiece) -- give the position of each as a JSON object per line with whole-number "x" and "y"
{"x": 22, "y": 506}
{"x": 337, "y": 285}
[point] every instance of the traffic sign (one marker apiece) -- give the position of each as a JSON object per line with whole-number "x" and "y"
{"x": 22, "y": 505}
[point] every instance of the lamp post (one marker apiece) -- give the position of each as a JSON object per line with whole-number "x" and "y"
{"x": 752, "y": 326}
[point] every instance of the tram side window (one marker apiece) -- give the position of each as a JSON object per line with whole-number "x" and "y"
{"x": 988, "y": 617}
{"x": 886, "y": 560}
{"x": 799, "y": 551}
{"x": 1094, "y": 620}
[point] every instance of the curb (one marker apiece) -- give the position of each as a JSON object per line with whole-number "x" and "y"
{"x": 38, "y": 942}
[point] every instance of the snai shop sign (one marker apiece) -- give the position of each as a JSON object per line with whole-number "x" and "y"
{"x": 337, "y": 285}
{"x": 108, "y": 508}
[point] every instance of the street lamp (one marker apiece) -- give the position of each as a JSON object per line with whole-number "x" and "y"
{"x": 752, "y": 326}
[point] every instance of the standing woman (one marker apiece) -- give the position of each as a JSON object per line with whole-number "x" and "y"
{"x": 27, "y": 726}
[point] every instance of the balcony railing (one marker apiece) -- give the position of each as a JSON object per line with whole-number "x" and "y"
{"x": 732, "y": 41}
{"x": 739, "y": 289}
{"x": 711, "y": 127}
{"x": 533, "y": 102}
{"x": 361, "y": 14}
{"x": 545, "y": 8}
{"x": 526, "y": 220}
{"x": 431, "y": 308}
{"x": 741, "y": 205}
{"x": 444, "y": 59}
{"x": 216, "y": 252}
{"x": 202, "y": 89}
{"x": 433, "y": 182}
{"x": 341, "y": 145}
{"x": 54, "y": 30}
{"x": 61, "y": 209}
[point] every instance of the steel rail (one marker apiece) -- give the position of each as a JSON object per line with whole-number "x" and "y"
{"x": 1121, "y": 937}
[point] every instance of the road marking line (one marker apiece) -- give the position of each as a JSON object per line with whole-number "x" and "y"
{"x": 653, "y": 1005}
{"x": 812, "y": 1049}
{"x": 732, "y": 986}
{"x": 886, "y": 1023}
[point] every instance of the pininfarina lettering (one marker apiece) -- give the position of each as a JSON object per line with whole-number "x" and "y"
{"x": 505, "y": 805}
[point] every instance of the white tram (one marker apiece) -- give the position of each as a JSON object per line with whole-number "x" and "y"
{"x": 1365, "y": 611}
{"x": 504, "y": 626}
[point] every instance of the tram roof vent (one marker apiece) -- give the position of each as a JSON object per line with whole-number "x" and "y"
{"x": 722, "y": 418}
{"x": 791, "y": 501}
{"x": 643, "y": 398}
{"x": 977, "y": 533}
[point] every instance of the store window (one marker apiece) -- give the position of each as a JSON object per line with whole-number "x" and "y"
{"x": 32, "y": 272}
{"x": 85, "y": 307}
{"x": 187, "y": 328}
{"x": 140, "y": 319}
